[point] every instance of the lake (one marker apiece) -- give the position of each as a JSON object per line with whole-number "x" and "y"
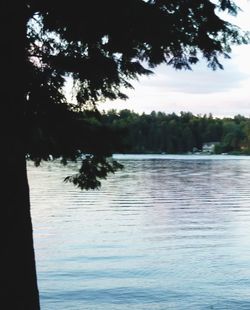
{"x": 166, "y": 232}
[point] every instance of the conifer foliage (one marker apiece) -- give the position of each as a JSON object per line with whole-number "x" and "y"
{"x": 102, "y": 46}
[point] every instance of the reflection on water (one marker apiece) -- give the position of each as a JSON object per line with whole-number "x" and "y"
{"x": 167, "y": 232}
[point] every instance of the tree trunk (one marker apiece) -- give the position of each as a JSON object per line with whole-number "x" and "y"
{"x": 19, "y": 285}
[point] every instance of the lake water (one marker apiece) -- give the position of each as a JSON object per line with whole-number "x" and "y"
{"x": 167, "y": 232}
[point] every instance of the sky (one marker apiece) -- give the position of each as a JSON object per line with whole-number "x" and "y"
{"x": 200, "y": 91}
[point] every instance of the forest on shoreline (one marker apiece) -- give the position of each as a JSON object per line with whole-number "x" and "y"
{"x": 158, "y": 132}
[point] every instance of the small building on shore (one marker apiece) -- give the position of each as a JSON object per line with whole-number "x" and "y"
{"x": 208, "y": 147}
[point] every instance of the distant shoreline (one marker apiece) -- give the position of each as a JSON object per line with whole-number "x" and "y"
{"x": 178, "y": 156}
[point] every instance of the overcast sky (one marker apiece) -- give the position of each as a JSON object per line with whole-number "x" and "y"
{"x": 222, "y": 92}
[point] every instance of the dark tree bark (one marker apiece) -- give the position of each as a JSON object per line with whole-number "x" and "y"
{"x": 19, "y": 283}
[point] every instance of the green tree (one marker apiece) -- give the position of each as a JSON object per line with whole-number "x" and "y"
{"x": 158, "y": 132}
{"x": 233, "y": 136}
{"x": 101, "y": 45}
{"x": 247, "y": 135}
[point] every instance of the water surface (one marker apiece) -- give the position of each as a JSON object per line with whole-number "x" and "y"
{"x": 167, "y": 232}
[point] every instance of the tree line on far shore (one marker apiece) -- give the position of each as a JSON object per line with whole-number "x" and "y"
{"x": 158, "y": 132}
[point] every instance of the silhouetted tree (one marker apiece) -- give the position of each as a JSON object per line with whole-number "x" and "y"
{"x": 101, "y": 45}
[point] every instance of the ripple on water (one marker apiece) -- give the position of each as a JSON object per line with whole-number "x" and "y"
{"x": 167, "y": 233}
